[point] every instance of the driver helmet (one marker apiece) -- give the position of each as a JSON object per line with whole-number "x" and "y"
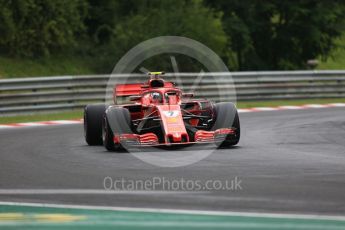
{"x": 156, "y": 97}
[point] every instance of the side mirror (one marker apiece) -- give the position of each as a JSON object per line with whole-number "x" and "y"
{"x": 188, "y": 95}
{"x": 134, "y": 98}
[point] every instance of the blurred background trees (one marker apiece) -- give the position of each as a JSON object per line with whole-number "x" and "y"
{"x": 39, "y": 27}
{"x": 274, "y": 34}
{"x": 247, "y": 34}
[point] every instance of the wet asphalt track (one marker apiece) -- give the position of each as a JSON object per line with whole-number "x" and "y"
{"x": 288, "y": 161}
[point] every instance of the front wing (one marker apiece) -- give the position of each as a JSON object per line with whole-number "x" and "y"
{"x": 151, "y": 139}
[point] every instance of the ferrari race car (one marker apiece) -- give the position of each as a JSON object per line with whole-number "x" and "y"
{"x": 157, "y": 113}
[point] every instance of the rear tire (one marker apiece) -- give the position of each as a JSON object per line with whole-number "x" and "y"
{"x": 227, "y": 117}
{"x": 93, "y": 116}
{"x": 116, "y": 121}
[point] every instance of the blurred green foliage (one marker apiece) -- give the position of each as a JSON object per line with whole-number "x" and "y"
{"x": 40, "y": 27}
{"x": 137, "y": 21}
{"x": 275, "y": 34}
{"x": 247, "y": 34}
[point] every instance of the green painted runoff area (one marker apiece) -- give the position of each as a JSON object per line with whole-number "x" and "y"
{"x": 25, "y": 217}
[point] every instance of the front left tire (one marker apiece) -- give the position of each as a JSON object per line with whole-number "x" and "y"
{"x": 116, "y": 121}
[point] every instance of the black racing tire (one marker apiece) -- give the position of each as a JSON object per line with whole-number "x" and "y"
{"x": 93, "y": 116}
{"x": 116, "y": 121}
{"x": 107, "y": 135}
{"x": 227, "y": 117}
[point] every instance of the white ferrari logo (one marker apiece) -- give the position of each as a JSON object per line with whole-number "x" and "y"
{"x": 172, "y": 113}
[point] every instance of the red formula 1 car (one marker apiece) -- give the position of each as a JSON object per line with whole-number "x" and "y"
{"x": 159, "y": 114}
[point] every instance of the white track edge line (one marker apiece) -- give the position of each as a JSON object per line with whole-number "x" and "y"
{"x": 180, "y": 211}
{"x": 88, "y": 192}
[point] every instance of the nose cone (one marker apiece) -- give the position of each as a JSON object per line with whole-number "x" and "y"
{"x": 173, "y": 123}
{"x": 177, "y": 137}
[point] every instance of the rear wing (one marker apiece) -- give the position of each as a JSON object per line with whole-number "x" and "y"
{"x": 122, "y": 92}
{"x": 128, "y": 89}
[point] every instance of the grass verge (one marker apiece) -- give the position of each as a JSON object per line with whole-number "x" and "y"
{"x": 50, "y": 66}
{"x": 77, "y": 114}
{"x": 71, "y": 115}
{"x": 336, "y": 60}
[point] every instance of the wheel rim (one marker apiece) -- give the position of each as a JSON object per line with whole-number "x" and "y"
{"x": 85, "y": 126}
{"x": 104, "y": 130}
